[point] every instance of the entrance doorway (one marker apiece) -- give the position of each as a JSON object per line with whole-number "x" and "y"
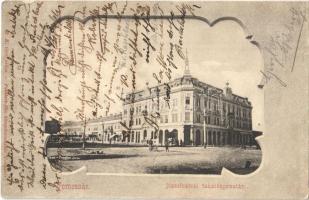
{"x": 186, "y": 131}
{"x": 197, "y": 137}
{"x": 161, "y": 137}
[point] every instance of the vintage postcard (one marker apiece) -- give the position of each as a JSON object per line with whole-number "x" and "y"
{"x": 155, "y": 100}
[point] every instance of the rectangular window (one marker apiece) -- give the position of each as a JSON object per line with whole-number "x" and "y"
{"x": 187, "y": 100}
{"x": 197, "y": 101}
{"x": 166, "y": 118}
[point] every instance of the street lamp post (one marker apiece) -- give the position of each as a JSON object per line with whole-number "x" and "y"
{"x": 84, "y": 134}
{"x": 102, "y": 133}
{"x": 204, "y": 126}
{"x": 207, "y": 92}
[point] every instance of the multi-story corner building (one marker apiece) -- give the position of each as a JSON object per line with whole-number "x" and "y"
{"x": 190, "y": 112}
{"x": 184, "y": 111}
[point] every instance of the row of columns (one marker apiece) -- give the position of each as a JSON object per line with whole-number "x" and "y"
{"x": 139, "y": 136}
{"x": 224, "y": 138}
{"x": 218, "y": 138}
{"x": 134, "y": 137}
{"x": 213, "y": 138}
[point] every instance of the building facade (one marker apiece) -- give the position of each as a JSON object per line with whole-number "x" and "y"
{"x": 184, "y": 111}
{"x": 100, "y": 129}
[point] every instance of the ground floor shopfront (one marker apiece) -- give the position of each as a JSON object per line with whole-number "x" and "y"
{"x": 213, "y": 136}
{"x": 183, "y": 135}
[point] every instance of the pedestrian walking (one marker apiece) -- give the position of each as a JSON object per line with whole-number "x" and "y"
{"x": 150, "y": 145}
{"x": 166, "y": 146}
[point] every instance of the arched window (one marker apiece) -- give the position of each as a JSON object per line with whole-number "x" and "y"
{"x": 145, "y": 134}
{"x": 197, "y": 101}
{"x": 132, "y": 138}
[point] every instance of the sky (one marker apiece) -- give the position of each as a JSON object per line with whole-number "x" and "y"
{"x": 221, "y": 54}
{"x": 216, "y": 55}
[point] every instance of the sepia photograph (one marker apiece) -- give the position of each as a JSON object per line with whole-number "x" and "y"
{"x": 178, "y": 113}
{"x": 154, "y": 100}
